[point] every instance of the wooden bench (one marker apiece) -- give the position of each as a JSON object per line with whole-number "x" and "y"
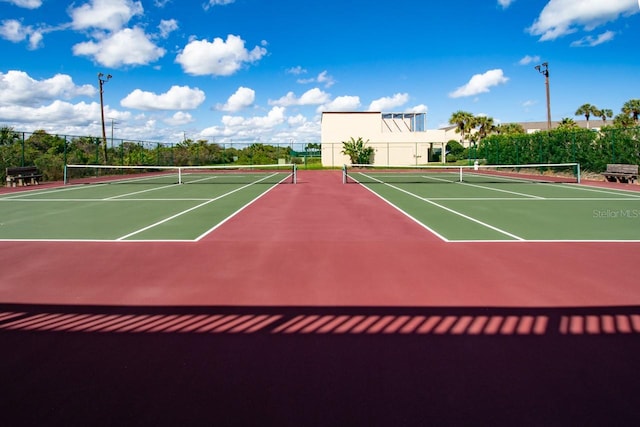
{"x": 621, "y": 173}
{"x": 23, "y": 175}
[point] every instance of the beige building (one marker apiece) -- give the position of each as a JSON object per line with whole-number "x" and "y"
{"x": 398, "y": 139}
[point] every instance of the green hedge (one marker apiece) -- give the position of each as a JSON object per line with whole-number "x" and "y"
{"x": 592, "y": 149}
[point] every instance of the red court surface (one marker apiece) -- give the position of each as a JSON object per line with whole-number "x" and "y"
{"x": 319, "y": 305}
{"x": 321, "y": 243}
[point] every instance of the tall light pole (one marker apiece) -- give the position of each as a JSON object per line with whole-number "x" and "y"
{"x": 101, "y": 81}
{"x": 544, "y": 70}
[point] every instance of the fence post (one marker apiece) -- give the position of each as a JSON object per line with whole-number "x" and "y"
{"x": 22, "y": 161}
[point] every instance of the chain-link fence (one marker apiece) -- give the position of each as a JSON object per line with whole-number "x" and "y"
{"x": 51, "y": 152}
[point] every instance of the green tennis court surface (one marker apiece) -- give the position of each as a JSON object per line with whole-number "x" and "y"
{"x": 515, "y": 210}
{"x": 145, "y": 207}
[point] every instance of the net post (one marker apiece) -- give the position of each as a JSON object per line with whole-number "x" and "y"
{"x": 460, "y": 174}
{"x": 578, "y": 172}
{"x": 294, "y": 173}
{"x": 344, "y": 174}
{"x": 64, "y": 174}
{"x": 179, "y": 175}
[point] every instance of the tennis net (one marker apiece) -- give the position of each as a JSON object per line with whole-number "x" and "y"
{"x": 530, "y": 173}
{"x": 166, "y": 175}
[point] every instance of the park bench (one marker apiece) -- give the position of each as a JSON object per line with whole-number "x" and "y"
{"x": 23, "y": 175}
{"x": 622, "y": 173}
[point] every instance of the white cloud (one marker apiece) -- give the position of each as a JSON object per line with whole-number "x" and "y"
{"x": 179, "y": 118}
{"x": 480, "y": 83}
{"x": 18, "y": 88}
{"x": 238, "y": 127}
{"x": 177, "y": 98}
{"x": 389, "y": 103}
{"x": 342, "y": 103}
{"x": 322, "y": 78}
{"x": 418, "y": 109}
{"x": 167, "y": 26}
{"x": 109, "y": 15}
{"x": 130, "y": 46}
{"x": 326, "y": 79}
{"x": 562, "y": 17}
{"x": 529, "y": 60}
{"x": 313, "y": 96}
{"x": 297, "y": 120}
{"x": 26, "y": 4}
{"x": 58, "y": 111}
{"x": 14, "y": 31}
{"x": 211, "y": 3}
{"x": 590, "y": 41}
{"x": 217, "y": 58}
{"x": 505, "y": 3}
{"x": 296, "y": 70}
{"x": 242, "y": 98}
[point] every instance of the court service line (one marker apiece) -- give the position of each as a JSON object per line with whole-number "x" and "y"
{"x": 460, "y": 214}
{"x": 531, "y": 196}
{"x": 172, "y": 217}
{"x": 140, "y": 192}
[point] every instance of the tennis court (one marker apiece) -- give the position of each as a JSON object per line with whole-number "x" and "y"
{"x": 316, "y": 304}
{"x": 107, "y": 204}
{"x": 163, "y": 205}
{"x": 466, "y": 204}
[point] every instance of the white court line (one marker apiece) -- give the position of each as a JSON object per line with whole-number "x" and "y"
{"x": 500, "y": 190}
{"x": 421, "y": 224}
{"x": 467, "y": 217}
{"x": 140, "y": 192}
{"x": 190, "y": 209}
{"x": 480, "y": 186}
{"x": 529, "y": 199}
{"x": 547, "y": 241}
{"x": 47, "y": 191}
{"x": 586, "y": 187}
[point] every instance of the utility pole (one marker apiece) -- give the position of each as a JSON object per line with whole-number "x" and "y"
{"x": 544, "y": 70}
{"x": 101, "y": 81}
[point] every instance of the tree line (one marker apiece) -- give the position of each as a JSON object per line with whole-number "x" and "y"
{"x": 51, "y": 152}
{"x": 616, "y": 142}
{"x": 475, "y": 128}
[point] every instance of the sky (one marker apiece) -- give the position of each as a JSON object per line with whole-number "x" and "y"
{"x": 264, "y": 71}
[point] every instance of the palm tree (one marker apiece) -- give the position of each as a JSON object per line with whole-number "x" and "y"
{"x": 587, "y": 110}
{"x": 485, "y": 126}
{"x": 357, "y": 151}
{"x": 632, "y": 109}
{"x": 567, "y": 123}
{"x": 604, "y": 114}
{"x": 623, "y": 121}
{"x": 510, "y": 129}
{"x": 463, "y": 121}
